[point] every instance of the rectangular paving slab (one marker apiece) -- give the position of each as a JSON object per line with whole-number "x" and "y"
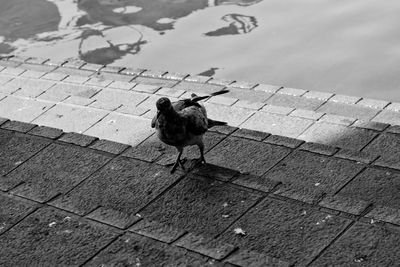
{"x": 348, "y": 110}
{"x": 16, "y": 148}
{"x": 200, "y": 205}
{"x": 124, "y": 185}
{"x": 387, "y": 146}
{"x": 56, "y": 169}
{"x": 22, "y": 109}
{"x": 363, "y": 245}
{"x": 286, "y": 231}
{"x": 52, "y": 238}
{"x": 246, "y": 156}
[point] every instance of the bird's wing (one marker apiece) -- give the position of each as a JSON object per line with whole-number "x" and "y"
{"x": 184, "y": 103}
{"x": 196, "y": 119}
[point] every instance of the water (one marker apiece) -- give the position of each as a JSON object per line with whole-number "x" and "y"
{"x": 345, "y": 46}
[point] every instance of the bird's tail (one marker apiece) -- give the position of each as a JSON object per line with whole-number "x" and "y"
{"x": 212, "y": 123}
{"x": 196, "y": 98}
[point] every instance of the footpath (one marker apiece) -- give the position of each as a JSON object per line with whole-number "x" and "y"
{"x": 298, "y": 178}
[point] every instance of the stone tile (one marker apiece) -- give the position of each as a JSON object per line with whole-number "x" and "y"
{"x": 73, "y": 89}
{"x": 389, "y": 117}
{"x": 251, "y": 96}
{"x": 162, "y": 232}
{"x": 394, "y": 107}
{"x": 394, "y": 129}
{"x": 29, "y": 87}
{"x": 170, "y": 92}
{"x": 106, "y": 105}
{"x": 345, "y": 99}
{"x": 249, "y": 105}
{"x": 123, "y": 185}
{"x": 233, "y": 116}
{"x": 78, "y": 100}
{"x": 22, "y": 109}
{"x": 153, "y": 73}
{"x": 10, "y": 63}
{"x": 76, "y": 79}
{"x": 97, "y": 81}
{"x": 113, "y": 217}
{"x": 114, "y": 76}
{"x": 246, "y": 156}
{"x": 251, "y": 258}
{"x": 109, "y": 146}
{"x": 12, "y": 71}
{"x": 132, "y": 71}
{"x": 155, "y": 82}
{"x": 222, "y": 100}
{"x": 53, "y": 96}
{"x": 3, "y": 120}
{"x": 197, "y": 78}
{"x": 348, "y": 110}
{"x": 5, "y": 78}
{"x": 74, "y": 72}
{"x": 387, "y": 146}
{"x": 363, "y": 244}
{"x": 92, "y": 66}
{"x": 33, "y": 74}
{"x": 371, "y": 125}
{"x": 175, "y": 76}
{"x": 33, "y": 61}
{"x": 146, "y": 88}
{"x": 295, "y": 102}
{"x": 112, "y": 69}
{"x": 318, "y": 95}
{"x": 122, "y": 128}
{"x": 319, "y": 148}
{"x": 243, "y": 84}
{"x": 306, "y": 114}
{"x": 47, "y": 132}
{"x": 198, "y": 87}
{"x": 54, "y": 76}
{"x": 283, "y": 141}
{"x": 338, "y": 135}
{"x": 77, "y": 139}
{"x": 52, "y": 237}
{"x": 122, "y": 85}
{"x": 302, "y": 194}
{"x": 18, "y": 126}
{"x": 373, "y": 103}
{"x": 214, "y": 172}
{"x": 54, "y": 62}
{"x": 277, "y": 109}
{"x": 359, "y": 156}
{"x": 138, "y": 250}
{"x": 37, "y": 67}
{"x": 74, "y": 63}
{"x": 384, "y": 213}
{"x": 61, "y": 168}
{"x": 254, "y": 135}
{"x": 224, "y": 129}
{"x": 285, "y": 231}
{"x": 342, "y": 120}
{"x": 346, "y": 204}
{"x": 222, "y": 82}
{"x": 255, "y": 182}
{"x": 15, "y": 149}
{"x": 132, "y": 110}
{"x": 292, "y": 91}
{"x": 70, "y": 118}
{"x": 119, "y": 97}
{"x": 12, "y": 210}
{"x": 277, "y": 124}
{"x": 200, "y": 206}
{"x": 307, "y": 170}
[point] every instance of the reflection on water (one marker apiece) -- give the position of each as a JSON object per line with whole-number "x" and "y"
{"x": 350, "y": 47}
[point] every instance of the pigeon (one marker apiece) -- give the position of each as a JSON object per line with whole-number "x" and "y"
{"x": 183, "y": 123}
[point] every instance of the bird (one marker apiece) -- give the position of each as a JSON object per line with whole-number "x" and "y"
{"x": 183, "y": 123}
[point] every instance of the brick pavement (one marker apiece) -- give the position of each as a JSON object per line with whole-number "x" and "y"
{"x": 291, "y": 181}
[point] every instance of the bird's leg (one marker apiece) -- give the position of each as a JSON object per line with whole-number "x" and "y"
{"x": 178, "y": 160}
{"x": 201, "y": 147}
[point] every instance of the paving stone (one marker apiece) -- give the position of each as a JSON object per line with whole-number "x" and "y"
{"x": 78, "y": 100}
{"x": 112, "y": 69}
{"x": 371, "y": 125}
{"x": 306, "y": 114}
{"x": 150, "y": 103}
{"x": 308, "y": 170}
{"x": 348, "y": 110}
{"x": 33, "y": 60}
{"x": 162, "y": 232}
{"x": 298, "y": 192}
{"x": 249, "y": 95}
{"x": 15, "y": 149}
{"x": 394, "y": 107}
{"x": 222, "y": 100}
{"x": 255, "y": 182}
{"x": 150, "y": 89}
{"x": 62, "y": 168}
{"x": 362, "y": 244}
{"x": 277, "y": 109}
{"x": 47, "y": 132}
{"x": 92, "y": 66}
{"x": 292, "y": 91}
{"x": 119, "y": 97}
{"x": 319, "y": 148}
{"x": 12, "y": 210}
{"x": 5, "y": 78}
{"x": 29, "y": 87}
{"x": 132, "y": 110}
{"x": 212, "y": 248}
{"x": 285, "y": 231}
{"x": 13, "y": 71}
{"x": 75, "y": 63}
{"x": 214, "y": 172}
{"x": 10, "y": 63}
{"x": 198, "y": 78}
{"x": 198, "y": 87}
{"x": 136, "y": 250}
{"x": 107, "y": 76}
{"x": 106, "y": 105}
{"x": 345, "y": 99}
{"x": 277, "y": 124}
{"x": 109, "y": 146}
{"x": 200, "y": 206}
{"x": 70, "y": 118}
{"x": 54, "y": 62}
{"x": 122, "y": 85}
{"x": 170, "y": 92}
{"x": 224, "y": 129}
{"x": 387, "y": 146}
{"x": 33, "y": 74}
{"x": 359, "y": 156}
{"x": 3, "y": 120}
{"x": 124, "y": 185}
{"x": 250, "y": 134}
{"x": 243, "y": 84}
{"x": 250, "y": 258}
{"x": 37, "y": 67}
{"x": 76, "y": 79}
{"x": 246, "y": 156}
{"x": 385, "y": 213}
{"x": 373, "y": 103}
{"x": 122, "y": 128}
{"x": 346, "y": 204}
{"x": 394, "y": 129}
{"x": 233, "y": 116}
{"x": 53, "y": 96}
{"x": 389, "y": 117}
{"x": 53, "y": 238}
{"x": 73, "y": 89}
{"x": 342, "y": 120}
{"x": 294, "y": 102}
{"x": 132, "y": 71}
{"x": 74, "y": 72}
{"x": 77, "y": 139}
{"x": 318, "y": 95}
{"x": 222, "y": 82}
{"x": 54, "y": 76}
{"x": 113, "y": 217}
{"x": 22, "y": 109}
{"x": 18, "y": 126}
{"x": 153, "y": 73}
{"x": 375, "y": 186}
{"x": 338, "y": 135}
{"x": 155, "y": 82}
{"x": 175, "y": 76}
{"x": 97, "y": 81}
{"x": 249, "y": 104}
{"x": 283, "y": 141}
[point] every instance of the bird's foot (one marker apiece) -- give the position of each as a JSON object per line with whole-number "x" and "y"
{"x": 178, "y": 162}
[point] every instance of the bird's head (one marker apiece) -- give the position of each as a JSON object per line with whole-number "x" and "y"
{"x": 163, "y": 104}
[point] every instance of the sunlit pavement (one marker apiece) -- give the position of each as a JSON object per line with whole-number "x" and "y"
{"x": 298, "y": 178}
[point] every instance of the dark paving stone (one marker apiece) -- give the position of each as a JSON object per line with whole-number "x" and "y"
{"x": 45, "y": 131}
{"x": 153, "y": 229}
{"x": 304, "y": 194}
{"x": 283, "y": 141}
{"x": 77, "y": 139}
{"x": 359, "y": 156}
{"x": 286, "y": 231}
{"x": 15, "y": 149}
{"x": 109, "y": 146}
{"x": 200, "y": 206}
{"x": 371, "y": 125}
{"x": 319, "y": 148}
{"x": 380, "y": 187}
{"x": 255, "y": 182}
{"x": 124, "y": 185}
{"x": 215, "y": 172}
{"x": 113, "y": 217}
{"x": 18, "y": 126}
{"x": 3, "y": 120}
{"x": 246, "y": 156}
{"x": 12, "y": 210}
{"x": 346, "y": 204}
{"x": 55, "y": 170}
{"x": 294, "y": 102}
{"x": 394, "y": 129}
{"x": 387, "y": 146}
{"x": 250, "y": 134}
{"x": 316, "y": 172}
{"x": 363, "y": 245}
{"x": 246, "y": 258}
{"x": 225, "y": 129}
{"x": 52, "y": 238}
{"x": 135, "y": 250}
{"x": 348, "y": 110}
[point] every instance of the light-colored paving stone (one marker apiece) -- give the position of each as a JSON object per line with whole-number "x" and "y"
{"x": 132, "y": 110}
{"x": 338, "y": 119}
{"x": 277, "y": 124}
{"x": 74, "y": 89}
{"x": 222, "y": 100}
{"x": 54, "y": 76}
{"x": 267, "y": 88}
{"x": 166, "y": 91}
{"x": 122, "y": 128}
{"x": 318, "y": 95}
{"x": 5, "y": 78}
{"x": 28, "y": 87}
{"x": 122, "y": 85}
{"x": 70, "y": 118}
{"x": 98, "y": 82}
{"x": 106, "y": 105}
{"x": 373, "y": 103}
{"x": 394, "y": 107}
{"x": 277, "y": 109}
{"x": 294, "y": 102}
{"x": 348, "y": 110}
{"x": 155, "y": 81}
{"x": 249, "y": 104}
{"x": 33, "y": 74}
{"x": 306, "y": 114}
{"x": 76, "y": 79}
{"x": 388, "y": 116}
{"x": 22, "y": 109}
{"x": 77, "y": 100}
{"x": 233, "y": 116}
{"x": 12, "y": 71}
{"x": 345, "y": 99}
{"x": 292, "y": 91}
{"x": 198, "y": 87}
{"x": 120, "y": 97}
{"x": 146, "y": 88}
